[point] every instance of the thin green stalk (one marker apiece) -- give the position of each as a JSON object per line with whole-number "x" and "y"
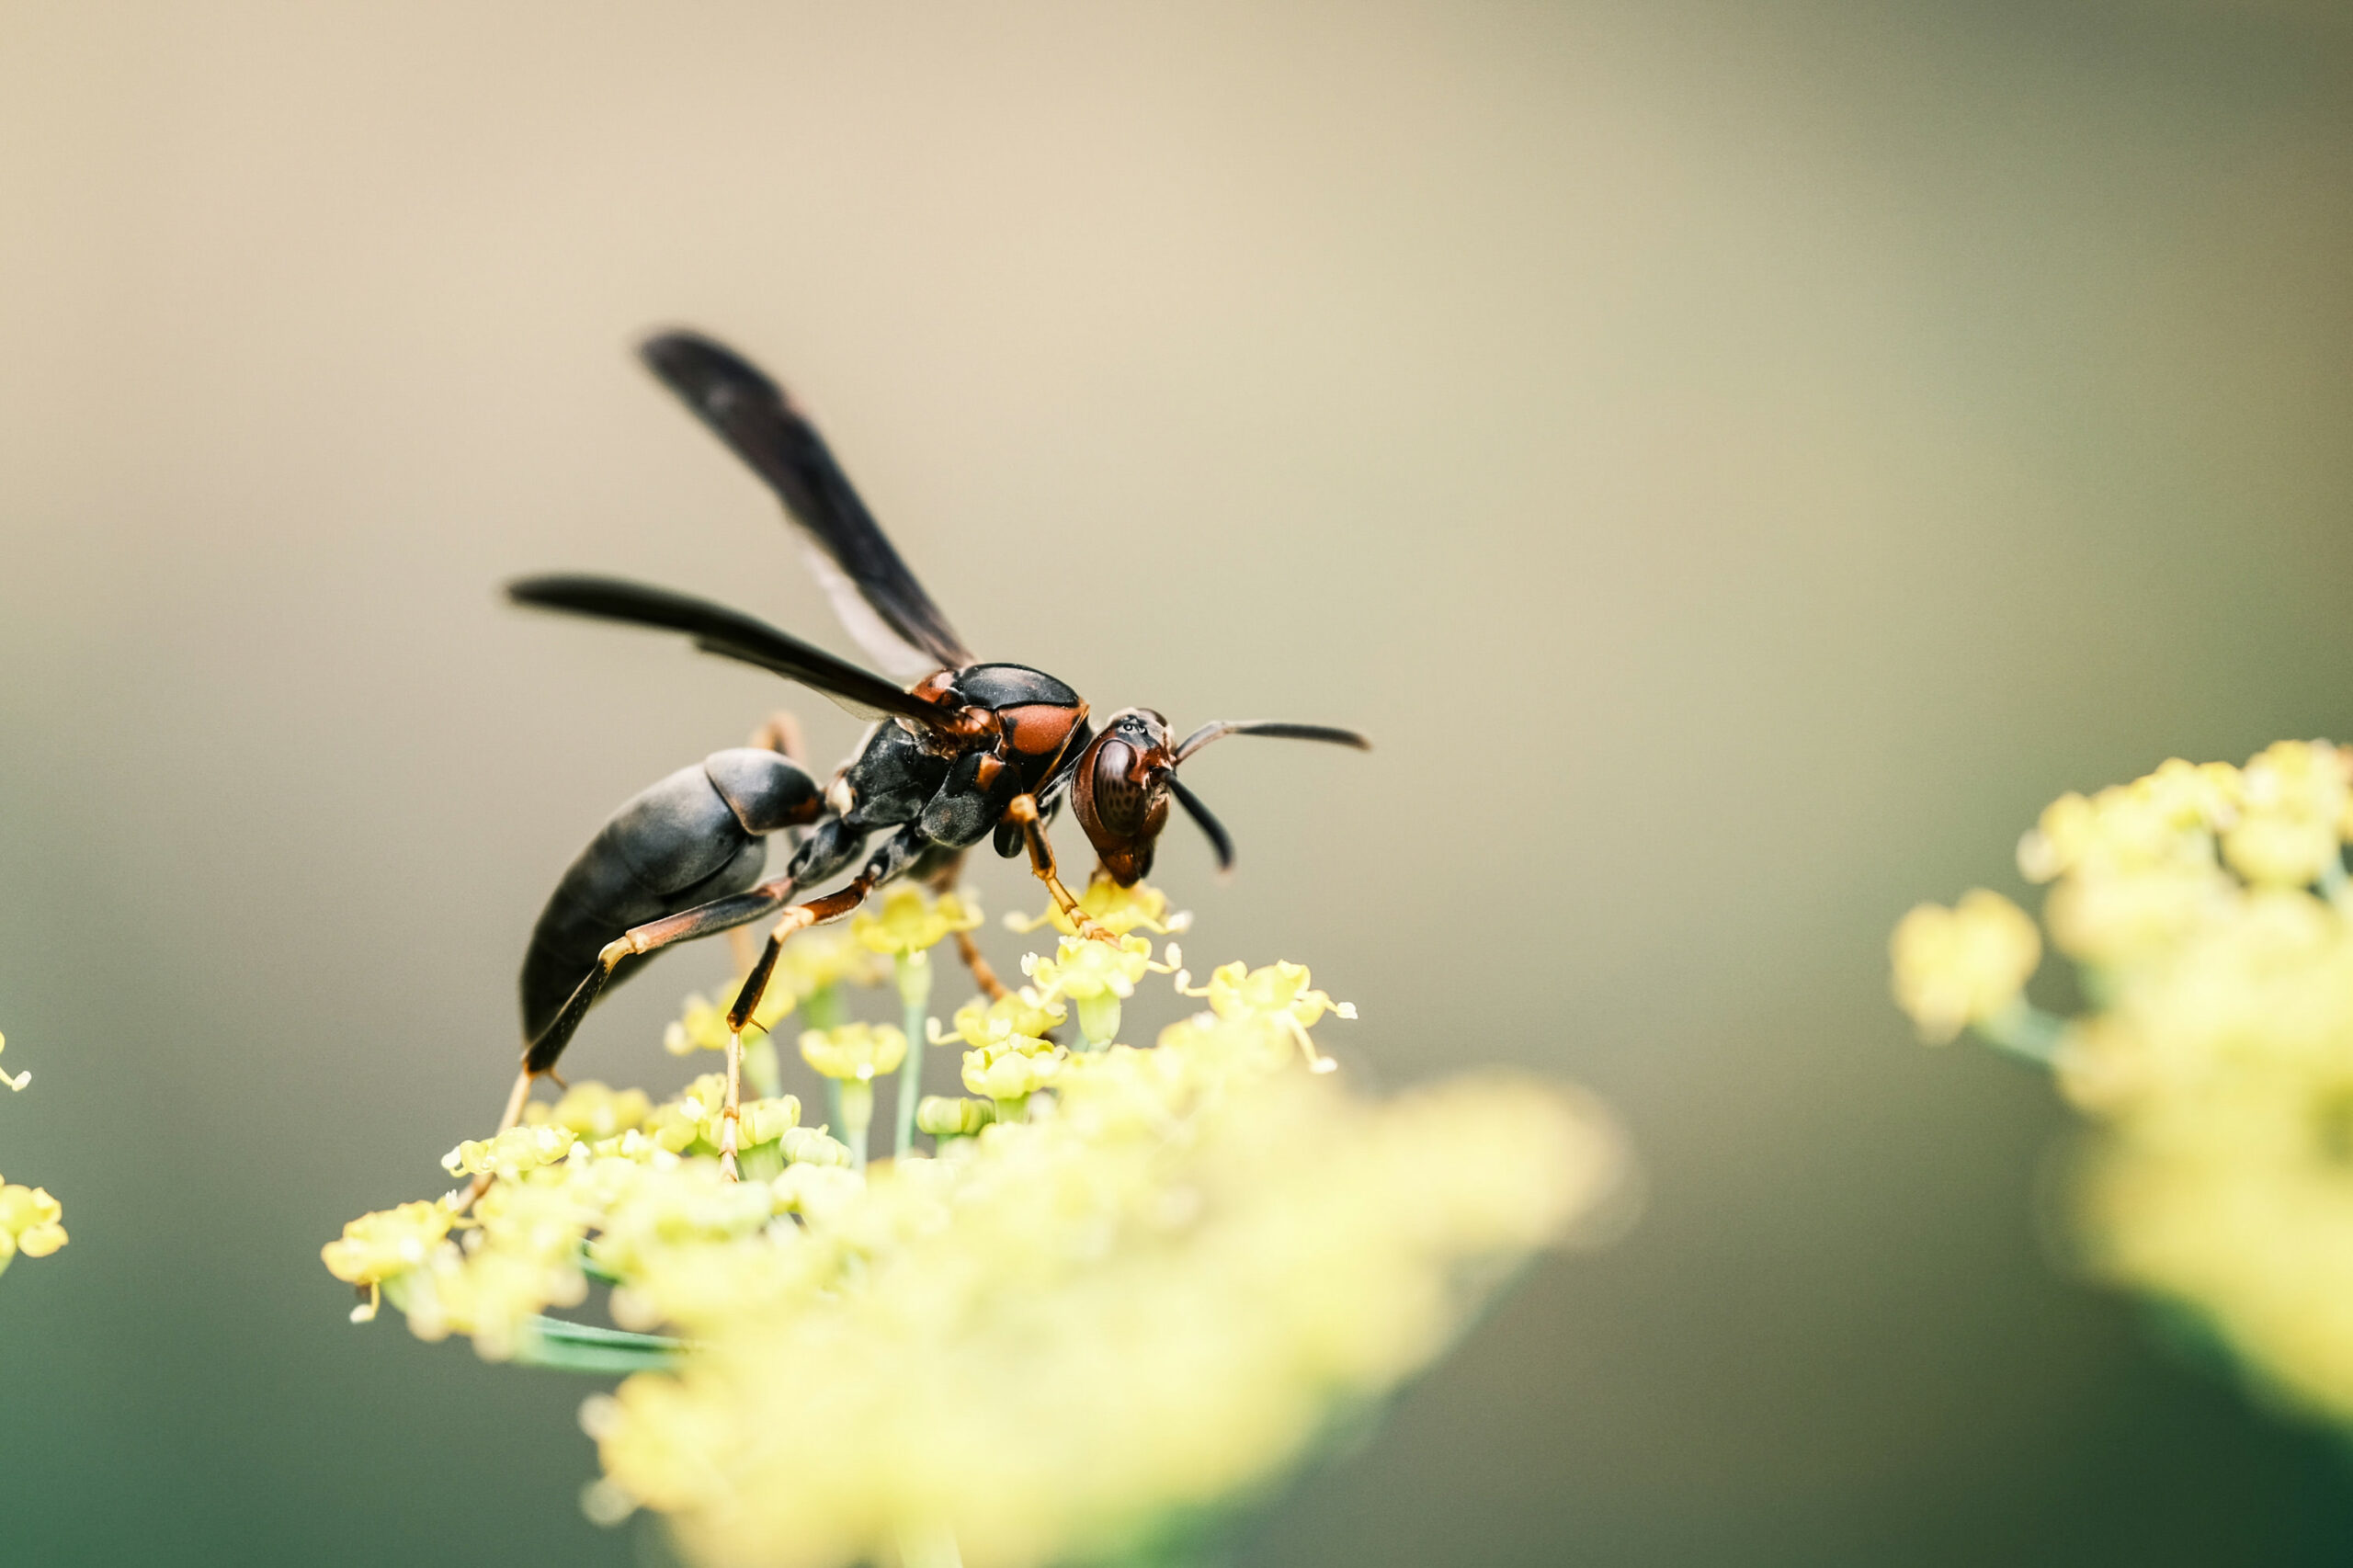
{"x": 824, "y": 1009}
{"x": 2025, "y": 1032}
{"x": 912, "y": 971}
{"x": 599, "y": 1352}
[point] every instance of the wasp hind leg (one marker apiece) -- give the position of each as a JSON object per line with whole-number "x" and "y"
{"x": 719, "y": 915}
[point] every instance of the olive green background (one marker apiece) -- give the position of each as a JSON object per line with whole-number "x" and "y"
{"x": 1738, "y": 459}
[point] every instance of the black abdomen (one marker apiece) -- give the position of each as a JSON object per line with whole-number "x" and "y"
{"x": 695, "y": 837}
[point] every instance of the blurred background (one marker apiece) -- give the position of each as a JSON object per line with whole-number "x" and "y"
{"x": 1740, "y": 461}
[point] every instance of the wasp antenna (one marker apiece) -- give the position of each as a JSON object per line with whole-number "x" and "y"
{"x": 1281, "y": 730}
{"x": 1204, "y": 818}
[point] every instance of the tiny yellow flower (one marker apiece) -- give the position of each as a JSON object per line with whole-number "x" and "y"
{"x": 376, "y": 1246}
{"x": 814, "y": 1146}
{"x": 1119, "y": 910}
{"x": 1240, "y": 994}
{"x": 1098, "y": 976}
{"x": 1013, "y": 1068}
{"x": 853, "y": 1052}
{"x": 825, "y": 957}
{"x": 518, "y": 1149}
{"x": 911, "y": 921}
{"x": 702, "y": 1024}
{"x": 592, "y": 1110}
{"x": 1959, "y": 966}
{"x": 943, "y": 1116}
{"x": 21, "y": 1079}
{"x": 1082, "y": 969}
{"x": 1022, "y": 1012}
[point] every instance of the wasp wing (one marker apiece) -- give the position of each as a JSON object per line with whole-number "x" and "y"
{"x": 878, "y": 599}
{"x": 728, "y": 633}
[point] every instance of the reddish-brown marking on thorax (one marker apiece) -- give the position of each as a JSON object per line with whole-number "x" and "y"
{"x": 1039, "y": 729}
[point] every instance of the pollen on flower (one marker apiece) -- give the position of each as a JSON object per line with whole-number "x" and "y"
{"x": 1126, "y": 1285}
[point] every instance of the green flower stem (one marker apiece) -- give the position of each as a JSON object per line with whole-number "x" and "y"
{"x": 912, "y": 971}
{"x": 857, "y": 1096}
{"x": 599, "y": 1352}
{"x": 1098, "y": 1018}
{"x": 760, "y": 1067}
{"x": 824, "y": 1009}
{"x": 2025, "y": 1032}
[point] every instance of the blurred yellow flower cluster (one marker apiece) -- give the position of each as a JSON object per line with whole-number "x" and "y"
{"x": 1128, "y": 1287}
{"x": 2207, "y": 911}
{"x": 31, "y": 1222}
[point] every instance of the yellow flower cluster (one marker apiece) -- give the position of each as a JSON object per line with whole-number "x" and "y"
{"x": 600, "y": 1183}
{"x": 1093, "y": 1322}
{"x": 814, "y": 961}
{"x": 1117, "y": 909}
{"x": 2208, "y": 910}
{"x": 1128, "y": 1287}
{"x": 31, "y": 1222}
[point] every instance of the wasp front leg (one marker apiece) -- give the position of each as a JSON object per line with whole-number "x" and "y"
{"x": 1023, "y": 813}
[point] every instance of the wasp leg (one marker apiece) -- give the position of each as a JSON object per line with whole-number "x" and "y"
{"x": 1023, "y": 813}
{"x": 703, "y": 920}
{"x": 897, "y": 853}
{"x": 941, "y": 879}
{"x": 516, "y": 1097}
{"x": 780, "y": 732}
{"x": 983, "y": 975}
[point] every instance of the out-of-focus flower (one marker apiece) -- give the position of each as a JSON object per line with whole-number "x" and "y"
{"x": 825, "y": 957}
{"x": 703, "y": 1024}
{"x": 1964, "y": 965}
{"x": 858, "y": 1051}
{"x": 1133, "y": 1286}
{"x": 911, "y": 921}
{"x": 31, "y": 1222}
{"x": 940, "y": 1116}
{"x": 592, "y": 1111}
{"x": 1104, "y": 1320}
{"x": 2207, "y": 909}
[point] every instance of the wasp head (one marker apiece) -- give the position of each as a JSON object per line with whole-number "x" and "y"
{"x": 1120, "y": 791}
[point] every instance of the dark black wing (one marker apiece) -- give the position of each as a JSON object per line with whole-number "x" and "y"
{"x": 728, "y": 633}
{"x": 1206, "y": 820}
{"x": 754, "y": 417}
{"x": 1274, "y": 727}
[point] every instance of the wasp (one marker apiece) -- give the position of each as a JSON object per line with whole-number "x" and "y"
{"x": 966, "y": 750}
